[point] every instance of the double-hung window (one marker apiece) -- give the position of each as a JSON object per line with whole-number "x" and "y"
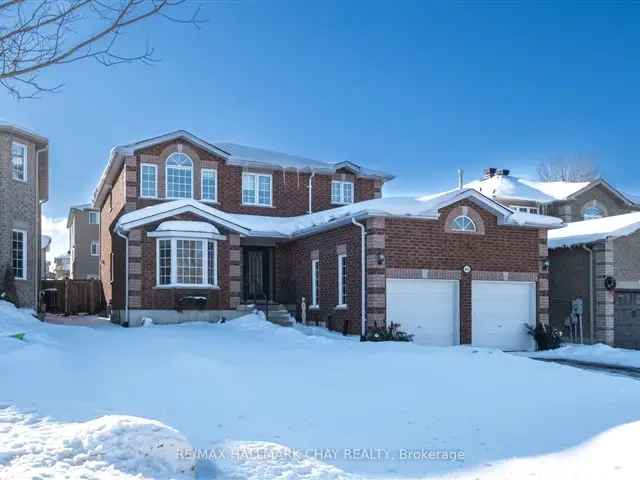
{"x": 179, "y": 176}
{"x": 19, "y": 161}
{"x": 187, "y": 262}
{"x": 209, "y": 181}
{"x": 95, "y": 248}
{"x": 94, "y": 218}
{"x": 341, "y": 192}
{"x": 19, "y": 254}
{"x": 148, "y": 180}
{"x": 342, "y": 280}
{"x": 257, "y": 189}
{"x": 315, "y": 282}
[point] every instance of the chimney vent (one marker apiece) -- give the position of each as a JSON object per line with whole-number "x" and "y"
{"x": 490, "y": 172}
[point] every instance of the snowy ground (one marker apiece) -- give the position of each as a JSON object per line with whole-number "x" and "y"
{"x": 282, "y": 403}
{"x": 599, "y": 353}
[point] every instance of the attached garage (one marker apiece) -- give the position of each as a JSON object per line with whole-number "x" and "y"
{"x": 427, "y": 309}
{"x": 500, "y": 312}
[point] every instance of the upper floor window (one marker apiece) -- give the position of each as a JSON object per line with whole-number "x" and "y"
{"x": 148, "y": 180}
{"x": 19, "y": 254}
{"x": 209, "y": 180}
{"x": 341, "y": 192}
{"x": 179, "y": 176}
{"x": 93, "y": 218}
{"x": 257, "y": 189}
{"x": 19, "y": 161}
{"x": 463, "y": 223}
{"x": 518, "y": 208}
{"x": 95, "y": 248}
{"x": 592, "y": 212}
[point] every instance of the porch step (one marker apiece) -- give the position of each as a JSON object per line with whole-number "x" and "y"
{"x": 277, "y": 313}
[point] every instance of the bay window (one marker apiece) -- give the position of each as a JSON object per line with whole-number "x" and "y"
{"x": 257, "y": 189}
{"x": 186, "y": 262}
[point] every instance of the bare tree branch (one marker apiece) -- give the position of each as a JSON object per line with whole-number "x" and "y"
{"x": 576, "y": 168}
{"x": 35, "y": 36}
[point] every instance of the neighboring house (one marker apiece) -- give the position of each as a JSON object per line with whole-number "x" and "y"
{"x": 571, "y": 201}
{"x": 45, "y": 246}
{"x": 196, "y": 230}
{"x": 24, "y": 187}
{"x": 83, "y": 224}
{"x": 599, "y": 261}
{"x": 62, "y": 266}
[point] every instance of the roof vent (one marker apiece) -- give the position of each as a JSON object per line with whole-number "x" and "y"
{"x": 503, "y": 172}
{"x": 490, "y": 172}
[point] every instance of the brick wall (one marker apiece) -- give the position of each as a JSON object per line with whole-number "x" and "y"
{"x": 298, "y": 254}
{"x": 416, "y": 244}
{"x": 290, "y": 190}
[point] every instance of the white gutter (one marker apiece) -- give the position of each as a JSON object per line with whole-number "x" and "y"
{"x": 313, "y": 174}
{"x": 363, "y": 266}
{"x": 591, "y": 302}
{"x": 126, "y": 276}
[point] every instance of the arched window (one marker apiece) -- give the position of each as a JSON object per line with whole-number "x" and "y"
{"x": 462, "y": 223}
{"x": 592, "y": 212}
{"x": 179, "y": 176}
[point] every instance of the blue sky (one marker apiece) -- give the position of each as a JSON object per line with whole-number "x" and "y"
{"x": 419, "y": 89}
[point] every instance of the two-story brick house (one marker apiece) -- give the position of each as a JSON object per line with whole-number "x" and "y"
{"x": 601, "y": 243}
{"x": 194, "y": 230}
{"x": 24, "y": 187}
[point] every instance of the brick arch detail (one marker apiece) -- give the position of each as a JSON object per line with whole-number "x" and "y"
{"x": 593, "y": 203}
{"x": 469, "y": 212}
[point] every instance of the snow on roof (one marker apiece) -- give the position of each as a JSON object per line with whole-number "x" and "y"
{"x": 45, "y": 241}
{"x": 13, "y": 127}
{"x": 589, "y": 231}
{"x": 187, "y": 226}
{"x": 289, "y": 227}
{"x": 234, "y": 154}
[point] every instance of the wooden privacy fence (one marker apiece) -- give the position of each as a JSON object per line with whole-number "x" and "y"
{"x": 72, "y": 297}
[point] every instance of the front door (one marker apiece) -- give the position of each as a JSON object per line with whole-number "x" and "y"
{"x": 256, "y": 273}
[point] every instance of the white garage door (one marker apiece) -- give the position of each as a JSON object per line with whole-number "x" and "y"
{"x": 428, "y": 309}
{"x": 500, "y": 311}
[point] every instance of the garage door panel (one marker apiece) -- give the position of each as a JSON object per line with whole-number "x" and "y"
{"x": 500, "y": 313}
{"x": 427, "y": 309}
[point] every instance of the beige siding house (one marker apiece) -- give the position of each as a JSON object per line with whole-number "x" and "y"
{"x": 83, "y": 223}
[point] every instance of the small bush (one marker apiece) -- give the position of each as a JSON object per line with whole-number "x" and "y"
{"x": 546, "y": 338}
{"x": 390, "y": 333}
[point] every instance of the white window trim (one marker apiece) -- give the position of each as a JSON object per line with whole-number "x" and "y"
{"x": 97, "y": 215}
{"x": 341, "y": 301}
{"x": 174, "y": 264}
{"x": 315, "y": 268}
{"x": 155, "y": 184}
{"x": 166, "y": 176}
{"x": 94, "y": 243}
{"x": 257, "y": 189}
{"x": 453, "y": 222}
{"x": 341, "y": 199}
{"x": 215, "y": 176}
{"x": 25, "y": 265}
{"x": 25, "y": 162}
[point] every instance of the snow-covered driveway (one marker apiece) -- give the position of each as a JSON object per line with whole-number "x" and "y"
{"x": 248, "y": 380}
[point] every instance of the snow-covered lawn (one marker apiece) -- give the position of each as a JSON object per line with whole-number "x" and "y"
{"x": 598, "y": 353}
{"x": 103, "y": 402}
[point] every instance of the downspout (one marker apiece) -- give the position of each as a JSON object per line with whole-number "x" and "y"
{"x": 363, "y": 265}
{"x": 313, "y": 174}
{"x": 591, "y": 302}
{"x": 126, "y": 276}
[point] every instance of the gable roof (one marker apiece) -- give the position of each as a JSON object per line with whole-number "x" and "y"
{"x": 589, "y": 231}
{"x": 6, "y": 126}
{"x": 512, "y": 188}
{"x": 233, "y": 154}
{"x": 302, "y": 225}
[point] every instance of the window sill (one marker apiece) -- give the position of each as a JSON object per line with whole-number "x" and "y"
{"x": 210, "y": 202}
{"x": 257, "y": 205}
{"x": 342, "y": 203}
{"x": 187, "y": 287}
{"x": 314, "y": 307}
{"x": 21, "y": 279}
{"x": 341, "y": 307}
{"x": 148, "y": 197}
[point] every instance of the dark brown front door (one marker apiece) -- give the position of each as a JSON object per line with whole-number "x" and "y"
{"x": 256, "y": 273}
